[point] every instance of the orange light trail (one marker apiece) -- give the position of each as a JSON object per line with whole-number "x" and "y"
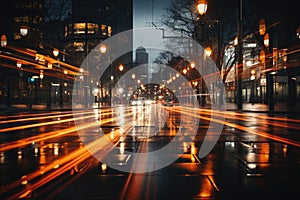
{"x": 68, "y": 162}
{"x": 246, "y": 129}
{"x": 42, "y": 124}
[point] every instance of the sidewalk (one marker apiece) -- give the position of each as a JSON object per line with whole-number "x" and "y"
{"x": 263, "y": 108}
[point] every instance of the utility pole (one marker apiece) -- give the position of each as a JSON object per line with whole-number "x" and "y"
{"x": 240, "y": 55}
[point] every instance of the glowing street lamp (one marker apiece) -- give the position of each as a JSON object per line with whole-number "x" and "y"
{"x": 103, "y": 49}
{"x": 202, "y": 7}
{"x": 262, "y": 27}
{"x": 19, "y": 65}
{"x": 3, "y": 40}
{"x": 192, "y": 65}
{"x": 41, "y": 74}
{"x": 121, "y": 67}
{"x": 252, "y": 78}
{"x": 208, "y": 51}
{"x": 24, "y": 30}
{"x": 236, "y": 41}
{"x": 266, "y": 40}
{"x": 133, "y": 76}
{"x": 55, "y": 52}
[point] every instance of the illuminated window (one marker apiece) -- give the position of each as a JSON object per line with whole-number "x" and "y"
{"x": 92, "y": 28}
{"x": 109, "y": 30}
{"x": 103, "y": 29}
{"x": 79, "y": 46}
{"x": 70, "y": 29}
{"x": 17, "y": 19}
{"x": 79, "y": 28}
{"x": 66, "y": 31}
{"x": 17, "y": 36}
{"x": 25, "y": 19}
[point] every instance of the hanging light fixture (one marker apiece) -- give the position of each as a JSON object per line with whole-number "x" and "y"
{"x": 103, "y": 48}
{"x": 262, "y": 27}
{"x": 3, "y": 40}
{"x": 55, "y": 52}
{"x": 24, "y": 30}
{"x": 121, "y": 67}
{"x": 41, "y": 74}
{"x": 267, "y": 40}
{"x": 19, "y": 65}
{"x": 202, "y": 7}
{"x": 208, "y": 51}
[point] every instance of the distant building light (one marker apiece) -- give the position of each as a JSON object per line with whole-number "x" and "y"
{"x": 250, "y": 45}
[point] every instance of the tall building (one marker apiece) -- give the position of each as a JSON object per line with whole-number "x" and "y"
{"x": 92, "y": 22}
{"x": 28, "y": 18}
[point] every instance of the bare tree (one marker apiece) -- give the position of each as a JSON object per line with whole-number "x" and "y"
{"x": 216, "y": 29}
{"x": 57, "y": 9}
{"x": 56, "y": 12}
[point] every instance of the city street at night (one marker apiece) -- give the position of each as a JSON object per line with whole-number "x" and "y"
{"x": 149, "y": 99}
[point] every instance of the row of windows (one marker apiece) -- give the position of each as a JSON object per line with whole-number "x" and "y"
{"x": 28, "y": 19}
{"x": 80, "y": 46}
{"x": 88, "y": 28}
{"x": 34, "y": 5}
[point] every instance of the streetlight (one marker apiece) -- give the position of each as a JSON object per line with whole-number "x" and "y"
{"x": 192, "y": 65}
{"x": 266, "y": 40}
{"x": 202, "y": 7}
{"x": 24, "y": 30}
{"x": 262, "y": 27}
{"x": 121, "y": 68}
{"x": 208, "y": 51}
{"x": 55, "y": 52}
{"x": 19, "y": 65}
{"x": 269, "y": 78}
{"x": 239, "y": 51}
{"x": 252, "y": 78}
{"x": 3, "y": 40}
{"x": 103, "y": 49}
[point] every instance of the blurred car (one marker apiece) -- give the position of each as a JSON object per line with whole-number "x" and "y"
{"x": 137, "y": 102}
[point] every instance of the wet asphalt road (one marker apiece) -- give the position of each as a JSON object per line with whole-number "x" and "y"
{"x": 257, "y": 156}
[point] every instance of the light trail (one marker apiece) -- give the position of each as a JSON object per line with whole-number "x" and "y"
{"x": 43, "y": 124}
{"x": 252, "y": 115}
{"x": 32, "y": 114}
{"x": 49, "y": 114}
{"x": 42, "y": 137}
{"x": 68, "y": 162}
{"x": 237, "y": 116}
{"x": 246, "y": 129}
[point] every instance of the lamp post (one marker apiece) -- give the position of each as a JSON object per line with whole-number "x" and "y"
{"x": 3, "y": 40}
{"x": 252, "y": 78}
{"x": 103, "y": 50}
{"x": 121, "y": 69}
{"x": 202, "y": 8}
{"x": 240, "y": 56}
{"x": 269, "y": 64}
